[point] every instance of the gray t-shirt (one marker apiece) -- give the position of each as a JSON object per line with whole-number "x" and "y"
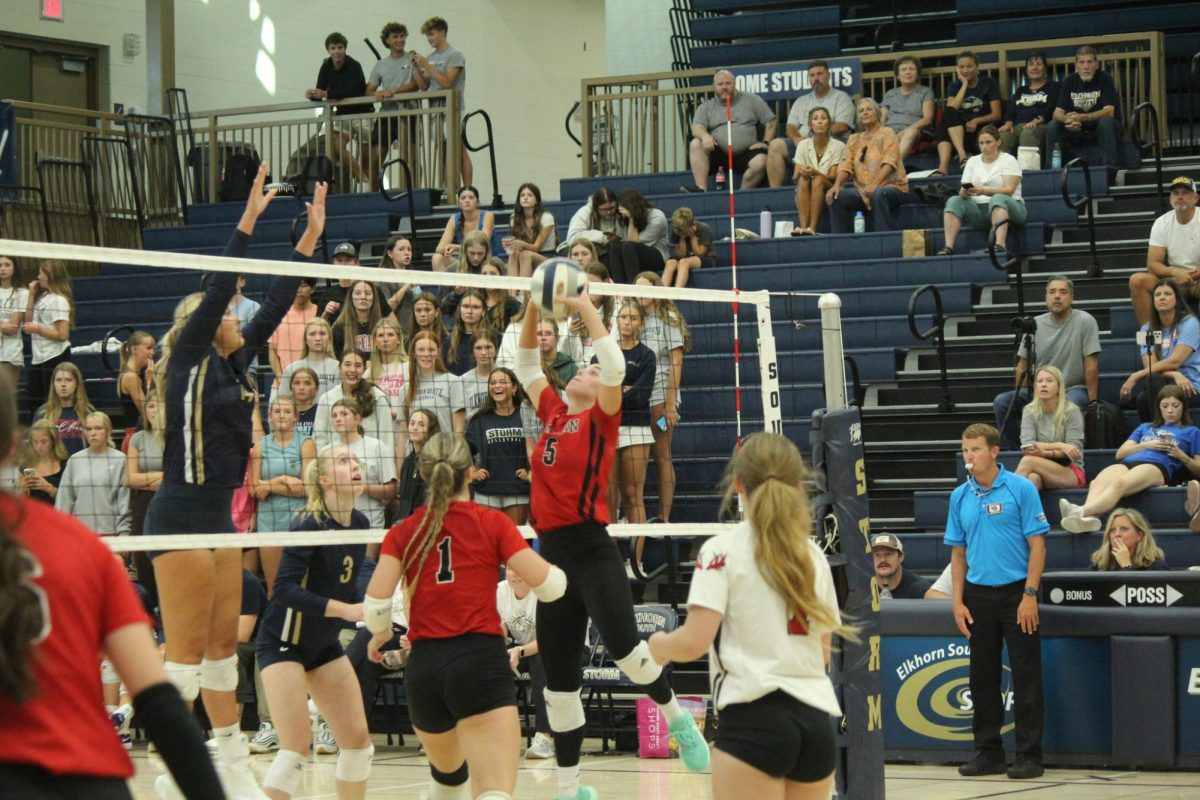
{"x": 661, "y": 338}
{"x": 1040, "y": 428}
{"x": 1065, "y": 346}
{"x": 390, "y": 73}
{"x": 149, "y": 450}
{"x": 837, "y": 103}
{"x": 905, "y": 109}
{"x": 747, "y": 111}
{"x": 444, "y": 61}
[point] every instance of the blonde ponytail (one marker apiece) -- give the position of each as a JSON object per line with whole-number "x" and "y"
{"x": 315, "y": 506}
{"x": 444, "y": 462}
{"x": 183, "y": 314}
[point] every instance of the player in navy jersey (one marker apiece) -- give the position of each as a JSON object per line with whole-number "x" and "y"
{"x": 208, "y": 402}
{"x": 571, "y": 466}
{"x": 460, "y": 688}
{"x": 316, "y": 589}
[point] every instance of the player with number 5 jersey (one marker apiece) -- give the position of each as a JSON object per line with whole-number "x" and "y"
{"x": 461, "y": 693}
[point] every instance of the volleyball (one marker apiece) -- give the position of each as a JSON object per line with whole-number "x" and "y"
{"x": 553, "y": 280}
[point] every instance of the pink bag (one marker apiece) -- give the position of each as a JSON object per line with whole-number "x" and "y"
{"x": 244, "y": 506}
{"x": 654, "y": 739}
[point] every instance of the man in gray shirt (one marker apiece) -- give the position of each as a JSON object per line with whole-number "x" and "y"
{"x": 710, "y": 144}
{"x": 1066, "y": 338}
{"x": 841, "y": 113}
{"x": 444, "y": 68}
{"x": 391, "y": 76}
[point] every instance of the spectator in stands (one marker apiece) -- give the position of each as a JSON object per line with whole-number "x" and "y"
{"x": 643, "y": 241}
{"x": 634, "y": 437}
{"x": 873, "y": 165}
{"x": 517, "y": 605}
{"x": 422, "y": 424}
{"x": 41, "y": 468}
{"x": 1066, "y": 338}
{"x": 476, "y": 383}
{"x": 1174, "y": 250}
{"x": 304, "y": 386}
{"x": 144, "y": 470}
{"x": 709, "y": 148}
{"x": 287, "y": 341}
{"x": 316, "y": 354}
{"x": 1128, "y": 544}
{"x": 1152, "y": 456}
{"x": 497, "y": 438}
{"x": 532, "y": 238}
{"x": 816, "y": 166}
{"x": 388, "y": 367}
{"x": 432, "y": 387}
{"x": 1088, "y": 111}
{"x": 340, "y": 77}
{"x": 375, "y": 457}
{"x": 469, "y": 217}
{"x": 427, "y": 316}
{"x": 1031, "y": 108}
{"x": 457, "y": 346}
{"x": 254, "y": 602}
{"x": 501, "y": 305}
{"x": 596, "y": 221}
{"x": 393, "y": 75}
{"x": 1052, "y": 436}
{"x": 278, "y": 463}
{"x": 991, "y": 179}
{"x": 974, "y": 101}
{"x": 691, "y": 248}
{"x": 93, "y": 482}
{"x": 907, "y": 107}
{"x": 244, "y": 309}
{"x": 49, "y": 318}
{"x": 444, "y": 68}
{"x": 841, "y": 111}
{"x": 553, "y": 359}
{"x": 135, "y": 379}
{"x": 1170, "y": 352}
{"x": 475, "y": 252}
{"x": 891, "y": 577}
{"x": 67, "y": 406}
{"x": 397, "y": 254}
{"x": 353, "y": 326}
{"x": 329, "y": 296}
{"x": 578, "y": 337}
{"x": 14, "y": 300}
{"x": 943, "y": 586}
{"x": 373, "y": 406}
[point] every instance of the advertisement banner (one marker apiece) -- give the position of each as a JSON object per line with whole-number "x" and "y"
{"x": 790, "y": 80}
{"x": 1189, "y": 697}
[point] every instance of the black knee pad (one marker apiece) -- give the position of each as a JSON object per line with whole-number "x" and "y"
{"x": 456, "y": 778}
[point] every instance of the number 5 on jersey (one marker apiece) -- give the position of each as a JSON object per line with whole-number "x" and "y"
{"x": 549, "y": 455}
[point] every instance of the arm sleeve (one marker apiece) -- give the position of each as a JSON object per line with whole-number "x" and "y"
{"x": 293, "y": 567}
{"x": 710, "y": 583}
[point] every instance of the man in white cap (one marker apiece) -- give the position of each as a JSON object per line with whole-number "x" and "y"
{"x": 1174, "y": 250}
{"x": 890, "y": 576}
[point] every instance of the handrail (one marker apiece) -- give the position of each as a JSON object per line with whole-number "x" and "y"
{"x": 1013, "y": 261}
{"x": 393, "y": 196}
{"x": 938, "y": 332}
{"x": 489, "y": 145}
{"x": 567, "y": 125}
{"x": 112, "y": 334}
{"x": 1156, "y": 143}
{"x": 1085, "y": 200}
{"x": 295, "y": 234}
{"x": 44, "y": 208}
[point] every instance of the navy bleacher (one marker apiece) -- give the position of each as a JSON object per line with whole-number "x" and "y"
{"x": 771, "y": 23}
{"x": 1015, "y": 27}
{"x": 925, "y": 552}
{"x": 764, "y": 51}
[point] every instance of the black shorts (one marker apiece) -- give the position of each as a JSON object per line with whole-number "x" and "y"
{"x": 446, "y": 680}
{"x": 720, "y": 158}
{"x": 779, "y": 735}
{"x": 31, "y": 782}
{"x": 269, "y": 650}
{"x": 386, "y": 130}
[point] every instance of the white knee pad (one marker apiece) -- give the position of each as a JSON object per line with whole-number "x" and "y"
{"x": 640, "y": 666}
{"x": 284, "y": 773}
{"x": 220, "y": 675}
{"x": 494, "y": 796}
{"x": 564, "y": 710}
{"x": 108, "y": 673}
{"x": 186, "y": 678}
{"x": 354, "y": 765}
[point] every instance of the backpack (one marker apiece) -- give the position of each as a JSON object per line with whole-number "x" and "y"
{"x": 237, "y": 177}
{"x": 1105, "y": 426}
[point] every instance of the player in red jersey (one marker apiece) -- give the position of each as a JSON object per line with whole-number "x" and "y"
{"x": 64, "y": 599}
{"x": 570, "y": 467}
{"x": 460, "y": 689}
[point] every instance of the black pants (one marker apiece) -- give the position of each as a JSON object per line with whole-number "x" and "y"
{"x": 537, "y": 689}
{"x": 38, "y": 383}
{"x": 30, "y": 782}
{"x": 994, "y": 609}
{"x": 954, "y": 118}
{"x": 368, "y": 671}
{"x": 627, "y": 259}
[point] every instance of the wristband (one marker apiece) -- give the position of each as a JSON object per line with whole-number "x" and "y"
{"x": 377, "y": 614}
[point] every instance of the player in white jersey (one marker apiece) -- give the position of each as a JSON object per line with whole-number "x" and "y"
{"x": 768, "y": 590}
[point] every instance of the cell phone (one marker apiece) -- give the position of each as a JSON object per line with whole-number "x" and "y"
{"x": 29, "y": 473}
{"x": 661, "y": 422}
{"x": 968, "y": 186}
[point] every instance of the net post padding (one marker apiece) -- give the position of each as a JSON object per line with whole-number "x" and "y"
{"x": 842, "y": 528}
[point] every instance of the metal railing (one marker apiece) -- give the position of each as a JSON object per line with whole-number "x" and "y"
{"x": 490, "y": 146}
{"x": 1011, "y": 263}
{"x": 395, "y": 196}
{"x": 24, "y": 218}
{"x": 1154, "y": 143}
{"x": 296, "y": 232}
{"x": 639, "y": 123}
{"x": 938, "y": 332}
{"x": 1083, "y": 201}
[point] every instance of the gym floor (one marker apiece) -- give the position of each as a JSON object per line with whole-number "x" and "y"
{"x": 400, "y": 773}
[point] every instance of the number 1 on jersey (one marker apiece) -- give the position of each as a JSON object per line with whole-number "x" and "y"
{"x": 445, "y": 572}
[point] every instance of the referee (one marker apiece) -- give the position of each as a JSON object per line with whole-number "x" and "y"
{"x": 997, "y": 526}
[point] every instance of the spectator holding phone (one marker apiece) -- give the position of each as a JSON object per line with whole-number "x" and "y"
{"x": 990, "y": 194}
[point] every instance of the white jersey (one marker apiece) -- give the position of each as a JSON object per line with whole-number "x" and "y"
{"x": 759, "y": 650}
{"x": 13, "y": 300}
{"x": 519, "y": 615}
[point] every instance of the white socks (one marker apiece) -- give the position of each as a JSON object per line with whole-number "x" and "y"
{"x": 672, "y": 710}
{"x": 568, "y": 781}
{"x": 230, "y": 746}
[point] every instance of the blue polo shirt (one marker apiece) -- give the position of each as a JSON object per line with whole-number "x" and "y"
{"x": 994, "y": 525}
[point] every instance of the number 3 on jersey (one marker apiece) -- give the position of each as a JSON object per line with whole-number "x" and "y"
{"x": 445, "y": 573}
{"x": 549, "y": 455}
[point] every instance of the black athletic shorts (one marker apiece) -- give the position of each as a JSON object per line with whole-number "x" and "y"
{"x": 30, "y": 782}
{"x": 779, "y": 735}
{"x": 446, "y": 680}
{"x": 269, "y": 650}
{"x": 719, "y": 157}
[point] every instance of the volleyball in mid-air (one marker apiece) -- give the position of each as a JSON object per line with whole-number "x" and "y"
{"x": 553, "y": 280}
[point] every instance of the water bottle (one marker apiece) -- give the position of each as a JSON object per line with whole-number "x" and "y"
{"x": 765, "y": 228}
{"x": 720, "y": 178}
{"x": 860, "y": 222}
{"x": 1056, "y": 157}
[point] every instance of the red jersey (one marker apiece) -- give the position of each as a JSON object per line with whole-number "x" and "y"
{"x": 64, "y": 728}
{"x": 456, "y": 592}
{"x": 571, "y": 465}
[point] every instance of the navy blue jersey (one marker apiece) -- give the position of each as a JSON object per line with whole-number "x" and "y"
{"x": 209, "y": 398}
{"x": 308, "y": 578}
{"x": 498, "y": 444}
{"x": 639, "y": 382}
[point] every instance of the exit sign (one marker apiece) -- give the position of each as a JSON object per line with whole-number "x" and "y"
{"x": 52, "y": 9}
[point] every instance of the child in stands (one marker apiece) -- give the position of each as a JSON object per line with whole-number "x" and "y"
{"x": 66, "y": 406}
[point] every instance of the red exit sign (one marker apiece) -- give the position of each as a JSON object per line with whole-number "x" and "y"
{"x": 52, "y": 9}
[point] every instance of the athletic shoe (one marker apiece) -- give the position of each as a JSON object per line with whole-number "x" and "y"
{"x": 238, "y": 780}
{"x": 120, "y": 721}
{"x": 165, "y": 788}
{"x": 692, "y": 747}
{"x": 1068, "y": 509}
{"x": 266, "y": 740}
{"x": 1024, "y": 768}
{"x": 541, "y": 747}
{"x": 1081, "y": 524}
{"x": 983, "y": 765}
{"x": 1193, "y": 498}
{"x": 584, "y": 793}
{"x": 323, "y": 742}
